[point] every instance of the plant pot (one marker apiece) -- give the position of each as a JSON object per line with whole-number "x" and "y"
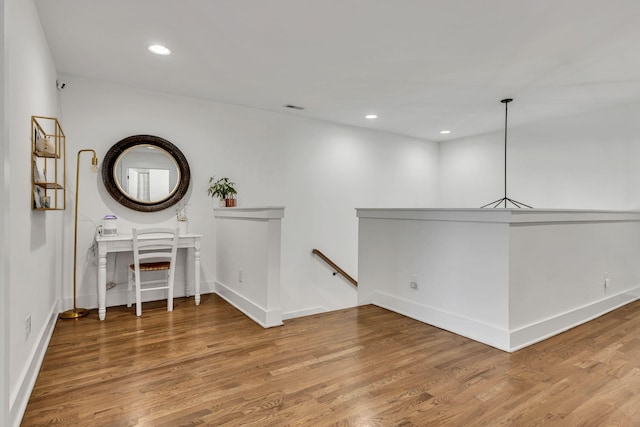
{"x": 230, "y": 203}
{"x": 183, "y": 227}
{"x": 223, "y": 203}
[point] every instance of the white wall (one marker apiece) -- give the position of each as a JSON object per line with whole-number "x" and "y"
{"x": 4, "y": 243}
{"x": 249, "y": 245}
{"x": 461, "y": 271}
{"x": 319, "y": 171}
{"x": 508, "y": 278}
{"x": 587, "y": 161}
{"x": 559, "y": 268}
{"x": 33, "y": 260}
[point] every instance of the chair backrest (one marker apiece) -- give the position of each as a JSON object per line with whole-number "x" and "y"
{"x": 157, "y": 244}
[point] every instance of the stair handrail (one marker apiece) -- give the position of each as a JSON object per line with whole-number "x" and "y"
{"x": 337, "y": 269}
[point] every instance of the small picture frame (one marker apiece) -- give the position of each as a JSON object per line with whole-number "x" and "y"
{"x": 37, "y": 198}
{"x": 36, "y": 137}
{"x": 40, "y": 200}
{"x": 37, "y": 176}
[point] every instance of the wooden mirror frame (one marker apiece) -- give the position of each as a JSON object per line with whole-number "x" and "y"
{"x": 109, "y": 179}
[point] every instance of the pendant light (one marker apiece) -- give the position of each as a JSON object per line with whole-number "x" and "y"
{"x": 505, "y": 199}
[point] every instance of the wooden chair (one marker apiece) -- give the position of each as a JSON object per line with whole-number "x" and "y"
{"x": 158, "y": 254}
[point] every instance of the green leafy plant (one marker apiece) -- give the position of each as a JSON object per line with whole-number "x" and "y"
{"x": 222, "y": 188}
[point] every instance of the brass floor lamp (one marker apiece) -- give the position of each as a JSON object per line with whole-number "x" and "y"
{"x": 76, "y": 312}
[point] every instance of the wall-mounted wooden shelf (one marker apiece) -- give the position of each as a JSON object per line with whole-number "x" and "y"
{"x": 48, "y": 164}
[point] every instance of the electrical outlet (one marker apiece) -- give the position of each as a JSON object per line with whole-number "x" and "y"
{"x": 413, "y": 283}
{"x": 240, "y": 275}
{"x": 27, "y": 326}
{"x": 607, "y": 281}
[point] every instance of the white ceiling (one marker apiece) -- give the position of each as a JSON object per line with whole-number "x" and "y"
{"x": 421, "y": 65}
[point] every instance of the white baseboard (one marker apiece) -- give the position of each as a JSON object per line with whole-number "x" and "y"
{"x": 506, "y": 340}
{"x": 536, "y": 332}
{"x": 20, "y": 396}
{"x": 304, "y": 312}
{"x": 263, "y": 317}
{"x": 487, "y": 334}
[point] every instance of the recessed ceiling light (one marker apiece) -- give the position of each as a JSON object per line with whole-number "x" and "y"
{"x": 444, "y": 132}
{"x": 371, "y": 116}
{"x": 158, "y": 49}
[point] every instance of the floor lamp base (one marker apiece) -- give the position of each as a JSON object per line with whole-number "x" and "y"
{"x": 74, "y": 313}
{"x": 505, "y": 200}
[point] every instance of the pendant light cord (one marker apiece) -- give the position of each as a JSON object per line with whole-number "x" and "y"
{"x": 506, "y": 110}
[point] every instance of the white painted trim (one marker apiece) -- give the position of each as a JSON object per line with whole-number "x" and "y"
{"x": 531, "y": 334}
{"x": 20, "y": 396}
{"x": 304, "y": 312}
{"x": 469, "y": 328}
{"x": 264, "y": 318}
{"x": 268, "y": 212}
{"x": 509, "y": 341}
{"x": 507, "y": 216}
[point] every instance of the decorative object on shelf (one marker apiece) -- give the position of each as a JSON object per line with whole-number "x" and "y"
{"x": 48, "y": 164}
{"x": 37, "y": 175}
{"x": 183, "y": 219}
{"x": 224, "y": 189}
{"x": 146, "y": 173}
{"x": 38, "y": 198}
{"x": 45, "y": 145}
{"x": 76, "y": 312}
{"x": 505, "y": 199}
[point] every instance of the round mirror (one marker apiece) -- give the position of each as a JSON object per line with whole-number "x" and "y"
{"x": 146, "y": 173}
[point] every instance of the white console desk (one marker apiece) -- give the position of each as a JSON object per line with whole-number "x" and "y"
{"x": 124, "y": 243}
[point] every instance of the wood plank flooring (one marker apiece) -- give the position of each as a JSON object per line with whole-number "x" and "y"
{"x": 366, "y": 366}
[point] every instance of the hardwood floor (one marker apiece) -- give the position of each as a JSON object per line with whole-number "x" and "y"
{"x": 210, "y": 365}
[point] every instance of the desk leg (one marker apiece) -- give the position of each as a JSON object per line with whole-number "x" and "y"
{"x": 102, "y": 282}
{"x": 196, "y": 265}
{"x": 188, "y": 273}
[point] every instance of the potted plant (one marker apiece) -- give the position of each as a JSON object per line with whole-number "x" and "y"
{"x": 223, "y": 189}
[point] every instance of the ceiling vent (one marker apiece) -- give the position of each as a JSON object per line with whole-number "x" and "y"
{"x": 293, "y": 107}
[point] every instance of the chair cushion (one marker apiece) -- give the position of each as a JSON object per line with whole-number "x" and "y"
{"x": 152, "y": 266}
